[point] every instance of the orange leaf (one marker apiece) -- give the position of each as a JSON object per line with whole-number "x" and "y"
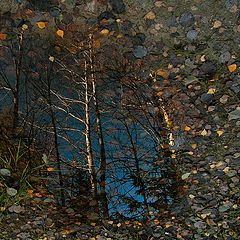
{"x": 41, "y": 24}
{"x": 50, "y": 169}
{"x": 105, "y": 32}
{"x": 3, "y": 36}
{"x": 232, "y": 67}
{"x": 96, "y": 44}
{"x": 162, "y": 73}
{"x": 30, "y": 192}
{"x": 60, "y": 33}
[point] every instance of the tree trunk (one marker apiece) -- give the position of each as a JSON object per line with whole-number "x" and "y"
{"x": 102, "y": 152}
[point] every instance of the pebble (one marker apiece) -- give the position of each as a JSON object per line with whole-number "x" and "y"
{"x": 140, "y": 51}
{"x": 208, "y": 68}
{"x": 225, "y": 57}
{"x": 206, "y": 98}
{"x": 192, "y": 35}
{"x": 186, "y": 19}
{"x": 118, "y": 6}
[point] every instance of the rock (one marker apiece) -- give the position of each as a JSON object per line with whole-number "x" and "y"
{"x": 150, "y": 15}
{"x": 118, "y": 6}
{"x": 206, "y": 98}
{"x": 106, "y": 15}
{"x": 186, "y": 19}
{"x": 139, "y": 39}
{"x": 140, "y": 51}
{"x": 225, "y": 57}
{"x": 192, "y": 35}
{"x": 126, "y": 27}
{"x": 55, "y": 12}
{"x": 208, "y": 68}
{"x": 172, "y": 22}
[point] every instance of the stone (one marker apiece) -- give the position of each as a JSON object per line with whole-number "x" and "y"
{"x": 139, "y": 39}
{"x": 118, "y": 6}
{"x": 208, "y": 68}
{"x": 140, "y": 51}
{"x": 225, "y": 57}
{"x": 192, "y": 35}
{"x": 206, "y": 98}
{"x": 186, "y": 19}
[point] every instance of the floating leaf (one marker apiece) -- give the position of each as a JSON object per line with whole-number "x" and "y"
{"x": 5, "y": 172}
{"x": 187, "y": 128}
{"x": 150, "y": 16}
{"x": 60, "y": 33}
{"x": 50, "y": 169}
{"x": 3, "y": 36}
{"x": 211, "y": 90}
{"x": 194, "y": 146}
{"x": 185, "y": 176}
{"x": 234, "y": 114}
{"x": 105, "y": 32}
{"x": 232, "y": 67}
{"x": 44, "y": 156}
{"x": 217, "y": 24}
{"x": 41, "y": 24}
{"x": 162, "y": 73}
{"x": 24, "y": 27}
{"x": 11, "y": 192}
{"x": 220, "y": 132}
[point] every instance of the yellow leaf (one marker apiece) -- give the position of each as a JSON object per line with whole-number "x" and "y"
{"x": 50, "y": 169}
{"x": 167, "y": 225}
{"x": 60, "y": 33}
{"x": 194, "y": 146}
{"x": 187, "y": 128}
{"x": 232, "y": 67}
{"x": 162, "y": 73}
{"x": 217, "y": 24}
{"x": 30, "y": 192}
{"x": 204, "y": 132}
{"x": 220, "y": 132}
{"x": 41, "y": 24}
{"x": 105, "y": 32}
{"x": 93, "y": 224}
{"x": 3, "y": 36}
{"x": 73, "y": 49}
{"x": 211, "y": 90}
{"x": 24, "y": 27}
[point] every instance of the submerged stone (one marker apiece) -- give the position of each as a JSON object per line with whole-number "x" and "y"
{"x": 140, "y": 51}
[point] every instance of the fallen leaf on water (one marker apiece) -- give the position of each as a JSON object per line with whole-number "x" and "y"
{"x": 187, "y": 128}
{"x": 220, "y": 132}
{"x": 104, "y": 32}
{"x": 96, "y": 43}
{"x": 50, "y": 169}
{"x": 217, "y": 24}
{"x": 232, "y": 67}
{"x": 150, "y": 16}
{"x": 211, "y": 90}
{"x": 185, "y": 176}
{"x": 162, "y": 73}
{"x": 60, "y": 33}
{"x": 3, "y": 36}
{"x": 41, "y": 24}
{"x": 204, "y": 132}
{"x": 194, "y": 146}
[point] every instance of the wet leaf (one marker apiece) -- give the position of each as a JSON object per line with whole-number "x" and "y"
{"x": 50, "y": 169}
{"x": 3, "y": 36}
{"x": 217, "y": 24}
{"x": 163, "y": 73}
{"x": 96, "y": 44}
{"x": 211, "y": 90}
{"x": 105, "y": 32}
{"x": 185, "y": 176}
{"x": 232, "y": 67}
{"x": 60, "y": 33}
{"x": 41, "y": 24}
{"x": 5, "y": 172}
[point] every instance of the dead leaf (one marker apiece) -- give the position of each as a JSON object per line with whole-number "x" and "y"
{"x": 104, "y": 32}
{"x": 194, "y": 146}
{"x": 3, "y": 36}
{"x": 217, "y": 24}
{"x": 60, "y": 33}
{"x": 41, "y": 24}
{"x": 187, "y": 128}
{"x": 162, "y": 73}
{"x": 96, "y": 43}
{"x": 232, "y": 67}
{"x": 50, "y": 169}
{"x": 150, "y": 16}
{"x": 211, "y": 90}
